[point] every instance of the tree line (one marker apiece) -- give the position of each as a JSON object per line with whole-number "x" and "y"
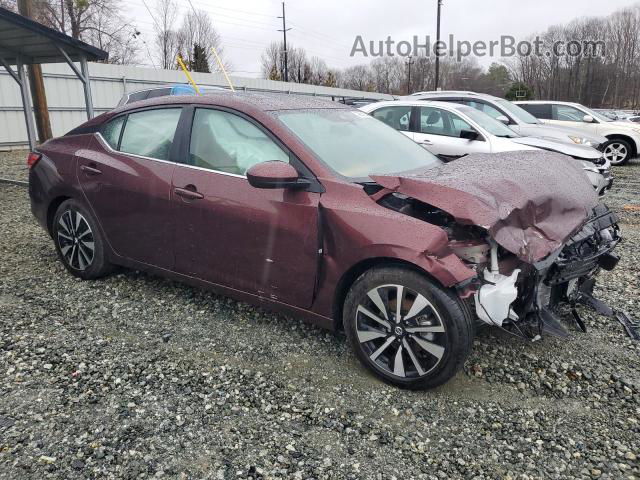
{"x": 610, "y": 80}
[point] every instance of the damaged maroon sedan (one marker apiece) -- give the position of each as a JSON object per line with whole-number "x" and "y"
{"x": 319, "y": 211}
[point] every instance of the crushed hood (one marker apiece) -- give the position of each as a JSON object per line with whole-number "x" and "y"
{"x": 582, "y": 152}
{"x": 529, "y": 202}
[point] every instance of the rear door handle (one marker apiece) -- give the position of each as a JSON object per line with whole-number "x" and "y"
{"x": 90, "y": 170}
{"x": 425, "y": 142}
{"x": 188, "y": 193}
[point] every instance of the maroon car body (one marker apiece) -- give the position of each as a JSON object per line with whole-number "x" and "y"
{"x": 299, "y": 250}
{"x": 149, "y": 227}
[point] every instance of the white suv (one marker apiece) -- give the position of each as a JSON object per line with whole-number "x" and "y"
{"x": 623, "y": 137}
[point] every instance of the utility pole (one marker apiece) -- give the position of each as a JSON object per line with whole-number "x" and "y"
{"x": 284, "y": 33}
{"x": 438, "y": 44}
{"x": 41, "y": 110}
{"x": 409, "y": 63}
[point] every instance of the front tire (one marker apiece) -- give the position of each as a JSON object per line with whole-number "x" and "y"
{"x": 78, "y": 241}
{"x": 420, "y": 342}
{"x": 618, "y": 152}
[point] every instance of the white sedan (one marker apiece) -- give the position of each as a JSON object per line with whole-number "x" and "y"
{"x": 452, "y": 130}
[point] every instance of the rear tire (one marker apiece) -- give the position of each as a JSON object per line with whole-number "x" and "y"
{"x": 426, "y": 347}
{"x": 617, "y": 151}
{"x": 78, "y": 241}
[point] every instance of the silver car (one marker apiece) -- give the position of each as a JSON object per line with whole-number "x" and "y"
{"x": 452, "y": 130}
{"x": 518, "y": 119}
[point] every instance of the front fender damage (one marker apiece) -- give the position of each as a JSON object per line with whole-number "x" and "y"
{"x": 545, "y": 236}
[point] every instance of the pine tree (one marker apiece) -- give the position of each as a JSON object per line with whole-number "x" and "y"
{"x": 199, "y": 63}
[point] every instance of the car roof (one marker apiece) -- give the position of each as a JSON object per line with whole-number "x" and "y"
{"x": 452, "y": 93}
{"x": 544, "y": 102}
{"x": 411, "y": 103}
{"x": 251, "y": 100}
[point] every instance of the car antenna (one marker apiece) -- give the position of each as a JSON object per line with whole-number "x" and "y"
{"x": 186, "y": 72}
{"x": 224, "y": 70}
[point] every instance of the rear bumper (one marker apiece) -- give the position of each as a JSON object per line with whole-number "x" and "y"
{"x": 38, "y": 199}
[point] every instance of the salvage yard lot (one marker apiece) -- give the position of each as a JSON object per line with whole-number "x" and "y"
{"x": 137, "y": 376}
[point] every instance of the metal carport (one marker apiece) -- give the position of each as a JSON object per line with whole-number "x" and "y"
{"x": 26, "y": 42}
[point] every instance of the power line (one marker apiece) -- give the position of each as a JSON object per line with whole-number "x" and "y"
{"x": 319, "y": 35}
{"x": 244, "y": 12}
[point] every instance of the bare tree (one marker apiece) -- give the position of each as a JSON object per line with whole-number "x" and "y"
{"x": 166, "y": 37}
{"x": 197, "y": 28}
{"x": 609, "y": 80}
{"x": 272, "y": 61}
{"x": 358, "y": 77}
{"x": 95, "y": 21}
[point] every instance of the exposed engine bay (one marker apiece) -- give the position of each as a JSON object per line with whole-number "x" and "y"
{"x": 520, "y": 297}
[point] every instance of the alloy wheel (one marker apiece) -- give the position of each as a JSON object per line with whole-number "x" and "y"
{"x": 400, "y": 331}
{"x": 75, "y": 239}
{"x": 616, "y": 152}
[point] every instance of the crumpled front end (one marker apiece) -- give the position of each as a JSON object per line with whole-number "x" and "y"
{"x": 530, "y": 227}
{"x": 537, "y": 291}
{"x": 529, "y": 202}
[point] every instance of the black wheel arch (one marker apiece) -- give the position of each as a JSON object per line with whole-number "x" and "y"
{"x": 52, "y": 208}
{"x": 355, "y": 271}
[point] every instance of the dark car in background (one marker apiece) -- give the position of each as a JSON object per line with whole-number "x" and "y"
{"x": 164, "y": 91}
{"x": 318, "y": 210}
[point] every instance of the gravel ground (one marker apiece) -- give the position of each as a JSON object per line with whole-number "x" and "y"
{"x": 13, "y": 165}
{"x": 136, "y": 376}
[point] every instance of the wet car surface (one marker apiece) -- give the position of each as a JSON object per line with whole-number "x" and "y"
{"x": 243, "y": 195}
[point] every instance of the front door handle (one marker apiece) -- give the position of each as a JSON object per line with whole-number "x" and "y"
{"x": 90, "y": 170}
{"x": 425, "y": 142}
{"x": 188, "y": 193}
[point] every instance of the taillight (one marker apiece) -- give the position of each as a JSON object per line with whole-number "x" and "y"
{"x": 32, "y": 159}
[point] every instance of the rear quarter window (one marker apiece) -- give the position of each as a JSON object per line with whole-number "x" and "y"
{"x": 111, "y": 131}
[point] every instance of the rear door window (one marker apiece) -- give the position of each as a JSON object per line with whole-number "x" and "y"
{"x": 485, "y": 107}
{"x": 150, "y": 133}
{"x": 396, "y": 117}
{"x": 540, "y": 111}
{"x": 435, "y": 121}
{"x": 136, "y": 97}
{"x": 159, "y": 92}
{"x": 567, "y": 113}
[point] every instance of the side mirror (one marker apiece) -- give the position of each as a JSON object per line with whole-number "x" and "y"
{"x": 275, "y": 174}
{"x": 503, "y": 119}
{"x": 469, "y": 134}
{"x": 588, "y": 119}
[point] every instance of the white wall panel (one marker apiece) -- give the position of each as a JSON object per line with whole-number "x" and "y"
{"x": 108, "y": 83}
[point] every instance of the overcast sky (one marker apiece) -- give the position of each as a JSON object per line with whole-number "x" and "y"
{"x": 327, "y": 28}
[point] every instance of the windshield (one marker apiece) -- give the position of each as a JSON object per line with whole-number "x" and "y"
{"x": 596, "y": 115}
{"x": 490, "y": 124}
{"x": 518, "y": 112}
{"x": 354, "y": 144}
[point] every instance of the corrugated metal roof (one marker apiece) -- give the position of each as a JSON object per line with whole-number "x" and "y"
{"x": 35, "y": 43}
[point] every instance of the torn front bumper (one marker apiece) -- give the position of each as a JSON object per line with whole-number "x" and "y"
{"x": 565, "y": 277}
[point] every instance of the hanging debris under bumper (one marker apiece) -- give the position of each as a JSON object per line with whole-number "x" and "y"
{"x": 567, "y": 277}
